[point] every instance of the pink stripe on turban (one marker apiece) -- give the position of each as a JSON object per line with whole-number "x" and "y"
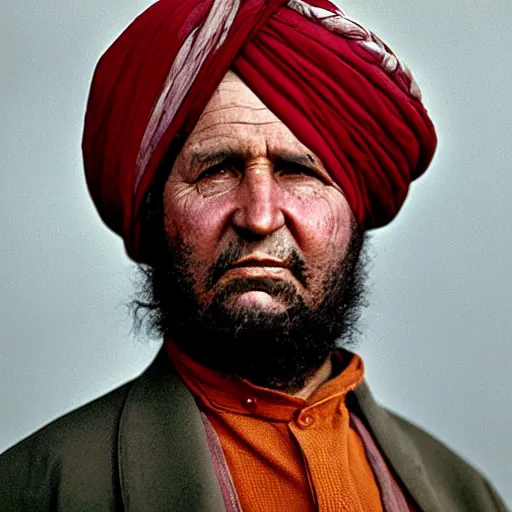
{"x": 336, "y": 85}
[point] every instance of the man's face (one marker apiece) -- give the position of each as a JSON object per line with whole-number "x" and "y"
{"x": 258, "y": 273}
{"x": 254, "y": 206}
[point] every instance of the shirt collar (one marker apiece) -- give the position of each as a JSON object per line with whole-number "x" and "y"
{"x": 225, "y": 393}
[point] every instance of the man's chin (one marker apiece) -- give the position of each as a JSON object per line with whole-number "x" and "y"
{"x": 255, "y": 295}
{"x": 256, "y": 301}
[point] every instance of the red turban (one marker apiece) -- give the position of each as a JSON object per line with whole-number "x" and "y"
{"x": 333, "y": 83}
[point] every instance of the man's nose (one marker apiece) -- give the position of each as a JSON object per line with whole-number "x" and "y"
{"x": 259, "y": 208}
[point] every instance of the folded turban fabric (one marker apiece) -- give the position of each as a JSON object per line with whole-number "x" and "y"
{"x": 339, "y": 89}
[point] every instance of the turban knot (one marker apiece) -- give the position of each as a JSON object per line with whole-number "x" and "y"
{"x": 339, "y": 89}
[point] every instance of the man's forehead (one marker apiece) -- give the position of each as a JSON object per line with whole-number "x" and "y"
{"x": 234, "y": 101}
{"x": 236, "y": 123}
{"x": 233, "y": 86}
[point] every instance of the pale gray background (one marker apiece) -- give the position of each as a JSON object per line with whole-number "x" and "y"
{"x": 437, "y": 334}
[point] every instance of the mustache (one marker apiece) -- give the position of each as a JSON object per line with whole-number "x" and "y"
{"x": 233, "y": 253}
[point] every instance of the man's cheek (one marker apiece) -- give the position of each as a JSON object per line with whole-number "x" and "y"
{"x": 200, "y": 261}
{"x": 198, "y": 277}
{"x": 319, "y": 218}
{"x": 330, "y": 237}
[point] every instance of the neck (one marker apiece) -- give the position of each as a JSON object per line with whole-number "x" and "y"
{"x": 316, "y": 380}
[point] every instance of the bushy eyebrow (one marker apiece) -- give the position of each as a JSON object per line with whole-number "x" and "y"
{"x": 206, "y": 158}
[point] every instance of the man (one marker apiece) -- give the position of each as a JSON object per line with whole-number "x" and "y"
{"x": 242, "y": 150}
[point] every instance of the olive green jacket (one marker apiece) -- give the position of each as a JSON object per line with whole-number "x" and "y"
{"x": 143, "y": 448}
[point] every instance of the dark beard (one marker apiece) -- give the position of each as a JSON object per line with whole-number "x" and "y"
{"x": 273, "y": 350}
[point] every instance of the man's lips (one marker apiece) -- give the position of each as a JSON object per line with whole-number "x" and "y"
{"x": 258, "y": 267}
{"x": 251, "y": 261}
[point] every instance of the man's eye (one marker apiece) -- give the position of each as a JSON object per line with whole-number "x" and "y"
{"x": 217, "y": 172}
{"x": 218, "y": 180}
{"x": 298, "y": 171}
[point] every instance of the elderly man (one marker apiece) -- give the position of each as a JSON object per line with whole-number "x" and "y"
{"x": 242, "y": 148}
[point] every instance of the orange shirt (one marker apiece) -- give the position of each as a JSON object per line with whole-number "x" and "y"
{"x": 286, "y": 454}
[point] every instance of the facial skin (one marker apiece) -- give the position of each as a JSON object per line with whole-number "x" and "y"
{"x": 242, "y": 176}
{"x": 255, "y": 268}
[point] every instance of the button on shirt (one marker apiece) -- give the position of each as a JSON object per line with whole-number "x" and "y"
{"x": 287, "y": 454}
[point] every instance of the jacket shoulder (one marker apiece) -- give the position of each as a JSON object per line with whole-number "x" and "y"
{"x": 458, "y": 481}
{"x": 59, "y": 463}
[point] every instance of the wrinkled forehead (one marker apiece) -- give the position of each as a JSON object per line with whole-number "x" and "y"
{"x": 236, "y": 119}
{"x": 233, "y": 109}
{"x": 233, "y": 86}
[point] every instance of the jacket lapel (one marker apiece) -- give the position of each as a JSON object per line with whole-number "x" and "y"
{"x": 399, "y": 450}
{"x": 164, "y": 459}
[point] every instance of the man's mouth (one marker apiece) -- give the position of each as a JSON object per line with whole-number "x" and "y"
{"x": 258, "y": 265}
{"x": 262, "y": 267}
{"x": 255, "y": 262}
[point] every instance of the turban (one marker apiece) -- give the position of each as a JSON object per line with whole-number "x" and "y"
{"x": 339, "y": 89}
